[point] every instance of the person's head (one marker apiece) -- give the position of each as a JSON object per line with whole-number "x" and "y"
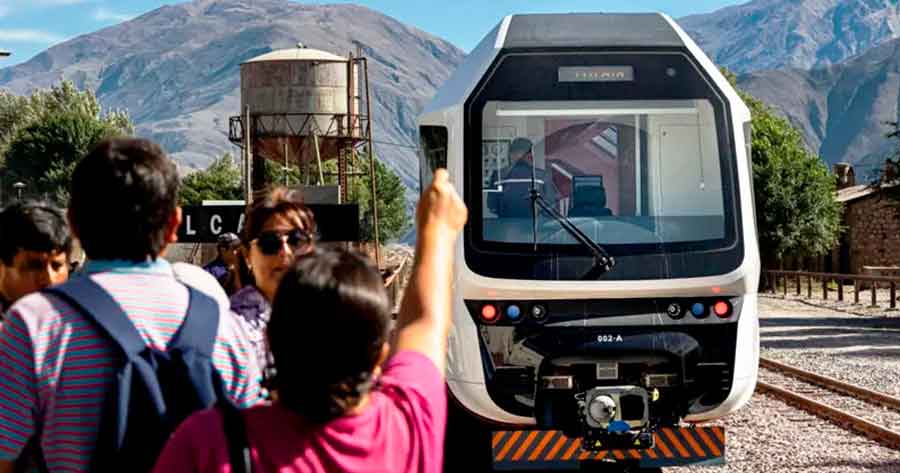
{"x": 519, "y": 148}
{"x": 277, "y": 229}
{"x": 124, "y": 201}
{"x": 34, "y": 248}
{"x": 229, "y": 245}
{"x": 349, "y": 329}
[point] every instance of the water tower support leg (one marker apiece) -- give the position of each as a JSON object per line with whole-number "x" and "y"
{"x": 318, "y": 159}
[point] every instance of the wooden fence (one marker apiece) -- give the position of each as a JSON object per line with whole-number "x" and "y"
{"x": 772, "y": 277}
{"x": 394, "y": 282}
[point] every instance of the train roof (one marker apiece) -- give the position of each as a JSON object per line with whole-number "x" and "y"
{"x": 572, "y": 30}
{"x": 588, "y": 30}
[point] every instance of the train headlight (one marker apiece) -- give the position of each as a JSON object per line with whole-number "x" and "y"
{"x": 675, "y": 311}
{"x": 489, "y": 313}
{"x": 699, "y": 310}
{"x": 539, "y": 312}
{"x": 722, "y": 309}
{"x": 513, "y": 312}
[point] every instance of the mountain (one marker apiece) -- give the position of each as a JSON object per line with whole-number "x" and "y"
{"x": 775, "y": 34}
{"x": 841, "y": 109}
{"x": 176, "y": 69}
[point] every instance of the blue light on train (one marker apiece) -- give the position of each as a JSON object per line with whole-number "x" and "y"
{"x": 698, "y": 309}
{"x": 513, "y": 312}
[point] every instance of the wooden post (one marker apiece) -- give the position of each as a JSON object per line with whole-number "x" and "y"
{"x": 893, "y": 294}
{"x": 841, "y": 290}
{"x": 784, "y": 280}
{"x": 824, "y": 288}
{"x": 856, "y": 291}
{"x": 874, "y": 296}
{"x": 798, "y": 283}
{"x": 809, "y": 287}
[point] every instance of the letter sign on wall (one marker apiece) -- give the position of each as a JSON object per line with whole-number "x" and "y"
{"x": 204, "y": 224}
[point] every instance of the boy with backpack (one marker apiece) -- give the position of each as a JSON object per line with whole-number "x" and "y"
{"x": 96, "y": 373}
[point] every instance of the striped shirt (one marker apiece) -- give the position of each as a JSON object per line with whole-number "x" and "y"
{"x": 56, "y": 367}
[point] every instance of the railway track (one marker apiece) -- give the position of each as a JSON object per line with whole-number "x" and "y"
{"x": 869, "y": 413}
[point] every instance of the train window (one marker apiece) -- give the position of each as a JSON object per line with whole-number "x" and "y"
{"x": 433, "y": 153}
{"x": 633, "y": 172}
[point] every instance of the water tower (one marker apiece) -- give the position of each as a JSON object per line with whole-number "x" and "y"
{"x": 301, "y": 107}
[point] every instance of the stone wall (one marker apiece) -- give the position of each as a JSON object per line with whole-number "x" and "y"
{"x": 873, "y": 232}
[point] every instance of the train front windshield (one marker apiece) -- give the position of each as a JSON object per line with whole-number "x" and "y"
{"x": 635, "y": 151}
{"x": 624, "y": 173}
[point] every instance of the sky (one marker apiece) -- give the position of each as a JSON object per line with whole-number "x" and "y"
{"x": 28, "y": 27}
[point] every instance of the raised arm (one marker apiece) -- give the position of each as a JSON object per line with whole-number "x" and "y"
{"x": 425, "y": 313}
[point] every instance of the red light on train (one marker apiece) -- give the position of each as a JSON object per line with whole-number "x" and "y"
{"x": 489, "y": 313}
{"x": 722, "y": 309}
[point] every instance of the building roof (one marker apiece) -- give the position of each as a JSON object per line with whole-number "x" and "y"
{"x": 298, "y": 54}
{"x": 852, "y": 193}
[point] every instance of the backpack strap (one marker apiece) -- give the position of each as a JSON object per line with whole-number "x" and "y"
{"x": 236, "y": 438}
{"x": 96, "y": 304}
{"x": 200, "y": 325}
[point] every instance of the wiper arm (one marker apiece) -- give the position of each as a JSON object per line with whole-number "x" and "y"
{"x": 603, "y": 262}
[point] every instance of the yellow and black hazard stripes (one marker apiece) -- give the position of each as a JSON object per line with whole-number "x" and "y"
{"x": 550, "y": 448}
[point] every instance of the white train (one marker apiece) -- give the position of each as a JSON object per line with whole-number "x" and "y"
{"x": 606, "y": 281}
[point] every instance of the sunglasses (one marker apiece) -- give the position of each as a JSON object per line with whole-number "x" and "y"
{"x": 269, "y": 243}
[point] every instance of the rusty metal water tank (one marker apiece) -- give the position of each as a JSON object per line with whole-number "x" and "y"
{"x": 295, "y": 93}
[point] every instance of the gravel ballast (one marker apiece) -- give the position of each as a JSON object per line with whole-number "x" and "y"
{"x": 769, "y": 436}
{"x": 861, "y": 350}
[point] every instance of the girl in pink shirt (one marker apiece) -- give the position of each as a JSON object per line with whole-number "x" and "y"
{"x": 346, "y": 399}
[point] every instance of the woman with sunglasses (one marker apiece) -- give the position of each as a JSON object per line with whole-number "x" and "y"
{"x": 277, "y": 229}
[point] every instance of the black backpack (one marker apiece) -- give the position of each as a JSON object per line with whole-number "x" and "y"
{"x": 153, "y": 391}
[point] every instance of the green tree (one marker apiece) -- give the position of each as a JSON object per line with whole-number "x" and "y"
{"x": 220, "y": 181}
{"x": 18, "y": 112}
{"x": 277, "y": 175}
{"x": 797, "y": 213}
{"x": 392, "y": 218}
{"x": 43, "y": 136}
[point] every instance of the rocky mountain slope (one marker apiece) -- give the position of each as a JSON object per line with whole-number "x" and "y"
{"x": 841, "y": 109}
{"x": 176, "y": 69}
{"x": 774, "y": 34}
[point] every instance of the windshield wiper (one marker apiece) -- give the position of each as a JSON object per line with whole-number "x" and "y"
{"x": 603, "y": 262}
